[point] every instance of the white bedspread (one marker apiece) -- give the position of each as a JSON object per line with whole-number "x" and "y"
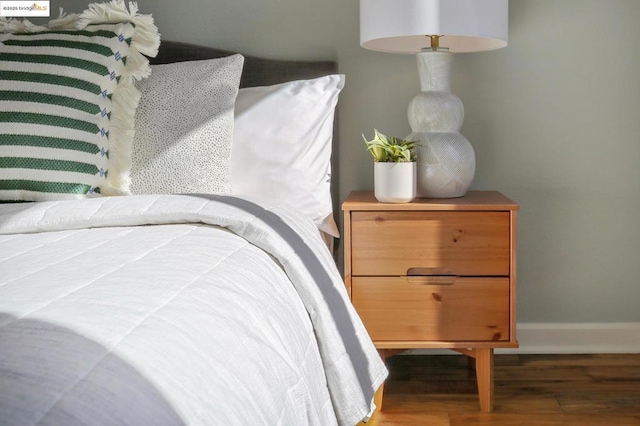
{"x": 221, "y": 313}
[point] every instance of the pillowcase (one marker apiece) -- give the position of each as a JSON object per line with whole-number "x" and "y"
{"x": 281, "y": 148}
{"x": 184, "y": 127}
{"x": 67, "y": 102}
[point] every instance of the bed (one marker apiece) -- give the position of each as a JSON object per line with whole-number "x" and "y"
{"x": 171, "y": 307}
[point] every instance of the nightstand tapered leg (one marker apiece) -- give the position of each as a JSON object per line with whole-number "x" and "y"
{"x": 377, "y": 398}
{"x": 484, "y": 374}
{"x": 384, "y": 354}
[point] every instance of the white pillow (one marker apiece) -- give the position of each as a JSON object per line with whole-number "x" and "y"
{"x": 184, "y": 127}
{"x": 281, "y": 148}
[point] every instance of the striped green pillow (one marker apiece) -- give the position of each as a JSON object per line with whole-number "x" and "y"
{"x": 67, "y": 104}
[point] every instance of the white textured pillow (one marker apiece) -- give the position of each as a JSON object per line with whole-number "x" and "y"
{"x": 184, "y": 127}
{"x": 282, "y": 145}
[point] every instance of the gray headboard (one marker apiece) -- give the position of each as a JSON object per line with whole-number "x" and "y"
{"x": 262, "y": 72}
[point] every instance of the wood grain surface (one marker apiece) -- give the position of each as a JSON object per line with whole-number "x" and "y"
{"x": 531, "y": 390}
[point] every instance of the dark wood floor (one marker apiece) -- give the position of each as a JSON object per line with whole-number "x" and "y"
{"x": 532, "y": 390}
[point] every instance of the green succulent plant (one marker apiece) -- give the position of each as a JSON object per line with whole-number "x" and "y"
{"x": 387, "y": 149}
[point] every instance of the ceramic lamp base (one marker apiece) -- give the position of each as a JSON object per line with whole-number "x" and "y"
{"x": 446, "y": 164}
{"x": 446, "y": 160}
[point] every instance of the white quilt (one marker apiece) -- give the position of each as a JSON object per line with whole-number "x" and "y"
{"x": 223, "y": 312}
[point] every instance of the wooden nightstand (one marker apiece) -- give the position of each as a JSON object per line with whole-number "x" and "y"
{"x": 435, "y": 273}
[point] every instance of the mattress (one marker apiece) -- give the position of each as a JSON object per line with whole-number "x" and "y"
{"x": 176, "y": 309}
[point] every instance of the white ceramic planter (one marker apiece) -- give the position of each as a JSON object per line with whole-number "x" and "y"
{"x": 394, "y": 182}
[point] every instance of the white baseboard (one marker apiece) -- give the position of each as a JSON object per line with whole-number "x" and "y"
{"x": 570, "y": 338}
{"x": 577, "y": 338}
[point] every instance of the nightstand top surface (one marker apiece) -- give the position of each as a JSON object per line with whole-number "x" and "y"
{"x": 473, "y": 200}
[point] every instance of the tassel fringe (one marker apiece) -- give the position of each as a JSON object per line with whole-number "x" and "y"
{"x": 121, "y": 132}
{"x": 64, "y": 21}
{"x": 19, "y": 26}
{"x": 145, "y": 41}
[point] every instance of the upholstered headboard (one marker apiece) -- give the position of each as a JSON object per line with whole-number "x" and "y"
{"x": 261, "y": 72}
{"x": 257, "y": 71}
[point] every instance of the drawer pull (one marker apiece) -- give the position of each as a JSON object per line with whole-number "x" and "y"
{"x": 429, "y": 271}
{"x": 432, "y": 279}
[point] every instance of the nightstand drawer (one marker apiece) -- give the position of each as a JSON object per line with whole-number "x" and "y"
{"x": 433, "y": 308}
{"x": 397, "y": 243}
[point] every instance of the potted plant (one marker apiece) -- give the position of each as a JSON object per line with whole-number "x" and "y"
{"x": 394, "y": 168}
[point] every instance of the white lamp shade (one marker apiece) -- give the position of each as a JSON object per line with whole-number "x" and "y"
{"x": 401, "y": 26}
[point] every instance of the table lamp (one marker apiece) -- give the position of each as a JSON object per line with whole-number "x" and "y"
{"x": 434, "y": 30}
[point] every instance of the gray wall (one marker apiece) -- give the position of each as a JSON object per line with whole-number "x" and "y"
{"x": 554, "y": 119}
